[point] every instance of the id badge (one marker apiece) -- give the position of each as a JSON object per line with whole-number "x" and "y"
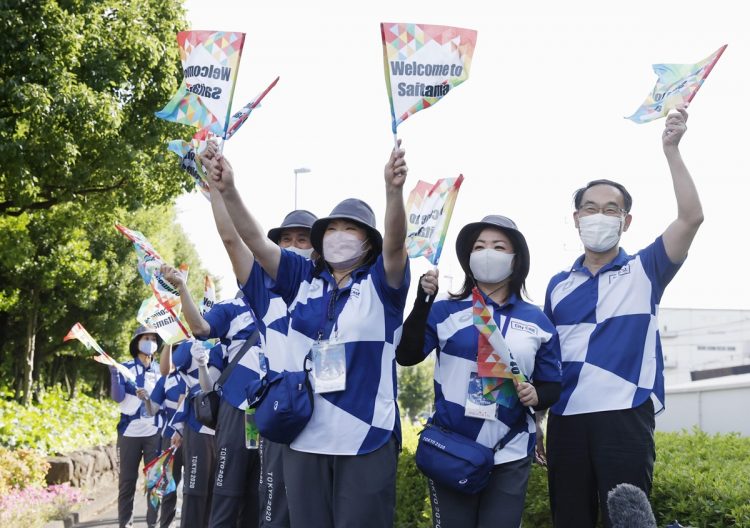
{"x": 477, "y": 405}
{"x": 328, "y": 366}
{"x": 252, "y": 435}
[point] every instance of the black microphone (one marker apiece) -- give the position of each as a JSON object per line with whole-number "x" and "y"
{"x": 629, "y": 508}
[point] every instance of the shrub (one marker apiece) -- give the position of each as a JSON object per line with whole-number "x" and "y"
{"x": 702, "y": 480}
{"x": 58, "y": 424}
{"x": 412, "y": 497}
{"x": 34, "y": 506}
{"x": 21, "y": 469}
{"x": 699, "y": 480}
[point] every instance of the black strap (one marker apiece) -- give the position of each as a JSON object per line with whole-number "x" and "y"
{"x": 514, "y": 431}
{"x": 245, "y": 347}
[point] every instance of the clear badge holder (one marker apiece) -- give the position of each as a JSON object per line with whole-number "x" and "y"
{"x": 477, "y": 404}
{"x": 328, "y": 366}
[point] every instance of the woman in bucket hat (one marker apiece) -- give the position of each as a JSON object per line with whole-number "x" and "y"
{"x": 344, "y": 312}
{"x": 469, "y": 401}
{"x": 137, "y": 432}
{"x": 236, "y": 496}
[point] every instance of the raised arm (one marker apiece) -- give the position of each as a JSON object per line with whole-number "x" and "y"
{"x": 239, "y": 254}
{"x": 394, "y": 235}
{"x": 680, "y": 233}
{"x": 165, "y": 361}
{"x": 198, "y": 325}
{"x": 266, "y": 252}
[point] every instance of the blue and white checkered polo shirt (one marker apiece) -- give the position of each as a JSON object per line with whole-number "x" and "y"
{"x": 187, "y": 367}
{"x": 273, "y": 318}
{"x": 609, "y": 333}
{"x": 167, "y": 393}
{"x": 232, "y": 322}
{"x": 531, "y": 338}
{"x": 369, "y": 315}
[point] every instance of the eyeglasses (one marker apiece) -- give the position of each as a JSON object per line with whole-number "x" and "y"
{"x": 608, "y": 210}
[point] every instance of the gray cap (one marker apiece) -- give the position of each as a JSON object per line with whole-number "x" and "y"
{"x": 298, "y": 218}
{"x": 469, "y": 233}
{"x": 137, "y": 334}
{"x": 350, "y": 209}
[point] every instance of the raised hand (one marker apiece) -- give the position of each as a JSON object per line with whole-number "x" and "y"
{"x": 220, "y": 172}
{"x": 674, "y": 128}
{"x": 174, "y": 276}
{"x": 396, "y": 169}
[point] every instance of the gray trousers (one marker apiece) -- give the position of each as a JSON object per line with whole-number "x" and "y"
{"x": 341, "y": 491}
{"x": 499, "y": 505}
{"x": 130, "y": 451}
{"x": 274, "y": 510}
{"x": 198, "y": 469}
{"x": 235, "y": 499}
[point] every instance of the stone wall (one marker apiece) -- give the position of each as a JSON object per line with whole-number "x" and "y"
{"x": 84, "y": 468}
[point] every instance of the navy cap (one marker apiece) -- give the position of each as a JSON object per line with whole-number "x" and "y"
{"x": 350, "y": 209}
{"x": 469, "y": 233}
{"x": 137, "y": 334}
{"x": 299, "y": 218}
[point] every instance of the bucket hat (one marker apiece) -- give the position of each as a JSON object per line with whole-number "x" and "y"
{"x": 297, "y": 218}
{"x": 350, "y": 209}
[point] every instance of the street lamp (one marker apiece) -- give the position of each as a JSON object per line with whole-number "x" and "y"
{"x": 301, "y": 170}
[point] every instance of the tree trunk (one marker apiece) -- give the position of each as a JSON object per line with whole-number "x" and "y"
{"x": 31, "y": 328}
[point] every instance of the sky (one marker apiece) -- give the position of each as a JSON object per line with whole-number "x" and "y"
{"x": 541, "y": 114}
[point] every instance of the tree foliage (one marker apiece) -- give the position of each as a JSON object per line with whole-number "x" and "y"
{"x": 81, "y": 148}
{"x": 415, "y": 388}
{"x": 79, "y": 84}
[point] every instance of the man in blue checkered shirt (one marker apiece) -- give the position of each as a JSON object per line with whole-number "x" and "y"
{"x": 601, "y": 431}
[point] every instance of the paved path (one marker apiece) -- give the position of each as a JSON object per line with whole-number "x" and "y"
{"x": 101, "y": 512}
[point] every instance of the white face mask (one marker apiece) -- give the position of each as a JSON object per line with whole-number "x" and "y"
{"x": 599, "y": 232}
{"x": 302, "y": 252}
{"x": 491, "y": 266}
{"x": 147, "y": 347}
{"x": 342, "y": 250}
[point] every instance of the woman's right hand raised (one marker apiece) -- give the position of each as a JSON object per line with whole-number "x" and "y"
{"x": 220, "y": 172}
{"x": 429, "y": 282}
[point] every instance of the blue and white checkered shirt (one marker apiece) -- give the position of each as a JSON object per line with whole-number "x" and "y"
{"x": 531, "y": 338}
{"x": 368, "y": 315}
{"x": 609, "y": 333}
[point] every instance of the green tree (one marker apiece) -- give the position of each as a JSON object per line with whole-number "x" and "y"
{"x": 79, "y": 83}
{"x": 89, "y": 275}
{"x": 415, "y": 388}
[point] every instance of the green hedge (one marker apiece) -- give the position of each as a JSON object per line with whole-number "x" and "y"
{"x": 699, "y": 480}
{"x": 58, "y": 424}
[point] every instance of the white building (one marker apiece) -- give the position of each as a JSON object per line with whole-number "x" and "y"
{"x": 696, "y": 342}
{"x": 706, "y": 370}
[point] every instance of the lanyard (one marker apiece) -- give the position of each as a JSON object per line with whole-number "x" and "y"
{"x": 331, "y": 313}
